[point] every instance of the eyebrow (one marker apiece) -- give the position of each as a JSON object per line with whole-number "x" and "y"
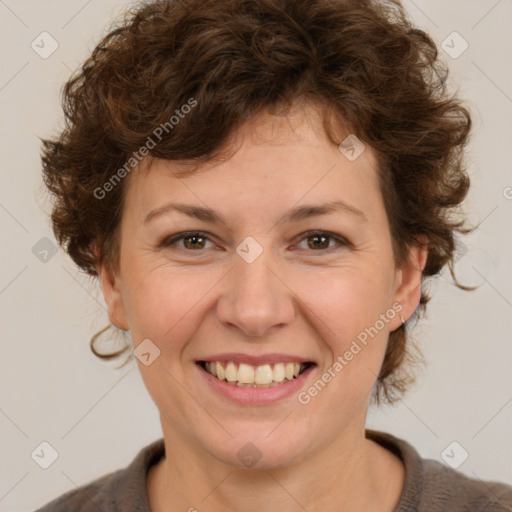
{"x": 294, "y": 215}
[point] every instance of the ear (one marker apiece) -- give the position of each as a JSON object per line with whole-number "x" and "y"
{"x": 408, "y": 280}
{"x": 111, "y": 292}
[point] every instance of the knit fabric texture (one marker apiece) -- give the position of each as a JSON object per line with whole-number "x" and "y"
{"x": 430, "y": 486}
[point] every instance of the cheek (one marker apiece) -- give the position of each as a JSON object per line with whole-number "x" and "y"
{"x": 163, "y": 304}
{"x": 346, "y": 312}
{"x": 344, "y": 300}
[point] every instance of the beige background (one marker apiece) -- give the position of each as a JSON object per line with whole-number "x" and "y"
{"x": 97, "y": 418}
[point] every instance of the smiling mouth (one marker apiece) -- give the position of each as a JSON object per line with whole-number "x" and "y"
{"x": 249, "y": 376}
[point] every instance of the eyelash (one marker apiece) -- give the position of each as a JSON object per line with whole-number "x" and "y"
{"x": 170, "y": 241}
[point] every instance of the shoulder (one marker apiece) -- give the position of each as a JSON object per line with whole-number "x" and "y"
{"x": 88, "y": 497}
{"x": 123, "y": 490}
{"x": 431, "y": 486}
{"x": 454, "y": 491}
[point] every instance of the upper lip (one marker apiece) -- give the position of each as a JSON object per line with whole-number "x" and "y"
{"x": 257, "y": 360}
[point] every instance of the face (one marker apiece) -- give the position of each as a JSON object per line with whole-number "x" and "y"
{"x": 260, "y": 283}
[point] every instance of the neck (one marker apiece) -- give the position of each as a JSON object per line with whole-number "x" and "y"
{"x": 355, "y": 473}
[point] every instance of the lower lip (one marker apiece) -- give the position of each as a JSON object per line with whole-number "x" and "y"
{"x": 255, "y": 396}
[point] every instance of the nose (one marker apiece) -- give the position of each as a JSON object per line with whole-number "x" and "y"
{"x": 255, "y": 298}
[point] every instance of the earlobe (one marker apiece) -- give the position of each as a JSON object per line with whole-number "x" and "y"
{"x": 408, "y": 292}
{"x": 113, "y": 298}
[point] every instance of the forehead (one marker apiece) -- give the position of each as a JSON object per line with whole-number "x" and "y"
{"x": 269, "y": 161}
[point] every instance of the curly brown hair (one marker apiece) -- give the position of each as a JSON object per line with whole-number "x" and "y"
{"x": 362, "y": 61}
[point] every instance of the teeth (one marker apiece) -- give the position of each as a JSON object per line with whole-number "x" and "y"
{"x": 278, "y": 372}
{"x": 289, "y": 370}
{"x": 219, "y": 371}
{"x": 231, "y": 372}
{"x": 263, "y": 374}
{"x": 246, "y": 375}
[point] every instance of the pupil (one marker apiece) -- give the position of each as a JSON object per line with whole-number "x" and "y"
{"x": 194, "y": 238}
{"x": 316, "y": 237}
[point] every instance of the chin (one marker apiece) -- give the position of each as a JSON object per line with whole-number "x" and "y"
{"x": 254, "y": 447}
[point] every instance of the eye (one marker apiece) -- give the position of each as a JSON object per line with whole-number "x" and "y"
{"x": 193, "y": 241}
{"x": 319, "y": 241}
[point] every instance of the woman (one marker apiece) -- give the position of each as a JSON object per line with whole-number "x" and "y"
{"x": 261, "y": 187}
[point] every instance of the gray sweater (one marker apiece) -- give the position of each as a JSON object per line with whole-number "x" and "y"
{"x": 430, "y": 486}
